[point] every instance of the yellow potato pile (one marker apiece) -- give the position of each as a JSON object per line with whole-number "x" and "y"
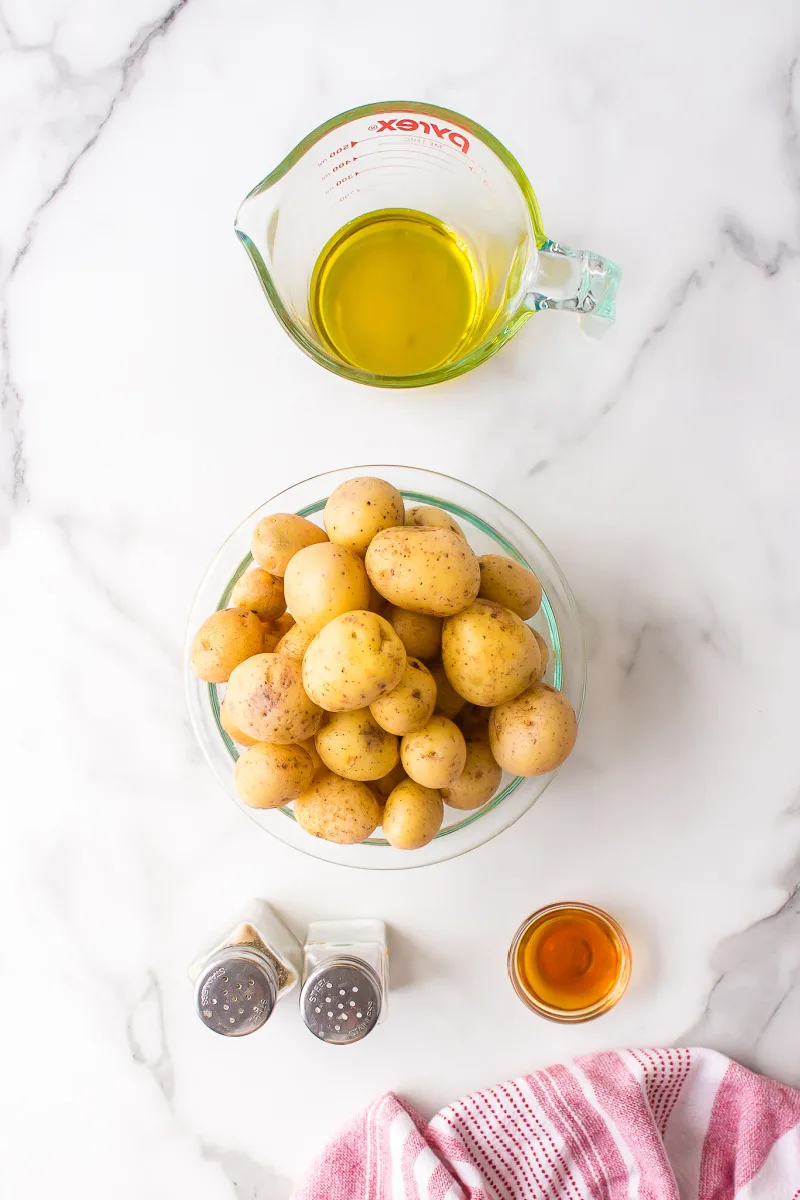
{"x": 405, "y": 677}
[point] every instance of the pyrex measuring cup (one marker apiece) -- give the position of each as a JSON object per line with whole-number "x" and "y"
{"x": 407, "y": 156}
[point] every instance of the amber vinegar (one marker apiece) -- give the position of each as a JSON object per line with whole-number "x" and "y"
{"x": 570, "y": 962}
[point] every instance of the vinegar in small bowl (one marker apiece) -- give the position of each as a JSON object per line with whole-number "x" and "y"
{"x": 570, "y": 962}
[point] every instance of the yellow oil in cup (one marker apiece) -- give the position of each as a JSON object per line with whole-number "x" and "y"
{"x": 396, "y": 292}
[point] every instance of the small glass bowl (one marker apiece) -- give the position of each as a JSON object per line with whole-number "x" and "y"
{"x": 490, "y": 528}
{"x": 572, "y": 1016}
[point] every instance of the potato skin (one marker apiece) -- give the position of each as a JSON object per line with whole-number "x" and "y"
{"x": 473, "y": 721}
{"x": 338, "y": 810}
{"x": 430, "y": 515}
{"x": 410, "y": 703}
{"x": 261, "y": 592}
{"x": 376, "y": 602}
{"x": 412, "y": 816}
{"x": 479, "y": 780}
{"x": 269, "y": 776}
{"x": 534, "y": 733}
{"x": 224, "y": 640}
{"x": 510, "y": 584}
{"x": 382, "y": 787}
{"x": 275, "y": 630}
{"x": 265, "y": 699}
{"x": 310, "y": 747}
{"x": 232, "y": 730}
{"x": 435, "y": 755}
{"x": 278, "y": 537}
{"x": 353, "y": 745}
{"x": 489, "y": 654}
{"x": 420, "y": 633}
{"x": 352, "y": 661}
{"x": 448, "y": 702}
{"x": 544, "y": 653}
{"x": 359, "y": 508}
{"x": 423, "y": 569}
{"x": 295, "y": 642}
{"x": 324, "y": 581}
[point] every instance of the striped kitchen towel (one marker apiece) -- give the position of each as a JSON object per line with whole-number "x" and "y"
{"x": 654, "y": 1124}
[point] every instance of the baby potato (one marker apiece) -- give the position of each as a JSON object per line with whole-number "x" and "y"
{"x": 473, "y": 721}
{"x": 265, "y": 699}
{"x": 324, "y": 581}
{"x": 423, "y": 569}
{"x": 448, "y": 702}
{"x": 376, "y": 602}
{"x": 353, "y": 745}
{"x": 382, "y": 787}
{"x": 435, "y": 755}
{"x": 261, "y": 592}
{"x": 489, "y": 654}
{"x": 544, "y": 652}
{"x": 269, "y": 776}
{"x": 359, "y": 508}
{"x": 429, "y": 514}
{"x": 410, "y": 703}
{"x": 338, "y": 810}
{"x": 353, "y": 661}
{"x": 310, "y": 747}
{"x": 479, "y": 780}
{"x": 412, "y": 816}
{"x": 510, "y": 584}
{"x": 295, "y": 642}
{"x": 232, "y": 731}
{"x": 420, "y": 633}
{"x": 533, "y": 733}
{"x": 224, "y": 640}
{"x": 278, "y": 537}
{"x": 275, "y": 630}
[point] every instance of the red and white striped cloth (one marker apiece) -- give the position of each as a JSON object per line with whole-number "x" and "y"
{"x": 654, "y": 1124}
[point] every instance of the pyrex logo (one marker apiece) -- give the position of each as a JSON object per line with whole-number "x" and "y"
{"x": 407, "y": 125}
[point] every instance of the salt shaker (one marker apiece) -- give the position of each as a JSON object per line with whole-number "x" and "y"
{"x": 241, "y": 977}
{"x": 345, "y": 979}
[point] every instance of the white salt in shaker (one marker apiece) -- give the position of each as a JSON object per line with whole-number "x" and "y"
{"x": 345, "y": 979}
{"x": 243, "y": 974}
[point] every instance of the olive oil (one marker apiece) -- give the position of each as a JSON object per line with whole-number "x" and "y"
{"x": 570, "y": 962}
{"x": 396, "y": 292}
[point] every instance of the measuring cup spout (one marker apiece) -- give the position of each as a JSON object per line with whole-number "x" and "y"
{"x": 577, "y": 281}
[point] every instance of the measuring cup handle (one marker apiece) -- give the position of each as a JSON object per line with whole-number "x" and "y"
{"x": 577, "y": 281}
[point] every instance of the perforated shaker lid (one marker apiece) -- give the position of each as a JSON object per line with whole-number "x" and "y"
{"x": 341, "y": 1000}
{"x": 236, "y": 991}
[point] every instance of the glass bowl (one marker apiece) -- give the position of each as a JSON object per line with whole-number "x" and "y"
{"x": 491, "y": 528}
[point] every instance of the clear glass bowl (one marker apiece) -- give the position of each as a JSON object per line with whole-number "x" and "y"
{"x": 490, "y": 528}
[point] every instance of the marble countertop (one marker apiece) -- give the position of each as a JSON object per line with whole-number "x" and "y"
{"x": 150, "y": 401}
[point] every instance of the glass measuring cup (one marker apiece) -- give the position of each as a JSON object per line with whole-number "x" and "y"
{"x": 402, "y": 155}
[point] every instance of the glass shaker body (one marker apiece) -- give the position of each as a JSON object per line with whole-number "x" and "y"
{"x": 245, "y": 971}
{"x": 345, "y": 978}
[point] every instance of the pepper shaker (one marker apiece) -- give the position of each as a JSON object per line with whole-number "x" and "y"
{"x": 243, "y": 974}
{"x": 345, "y": 979}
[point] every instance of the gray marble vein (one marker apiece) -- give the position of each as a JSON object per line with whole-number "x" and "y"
{"x": 118, "y": 78}
{"x": 754, "y": 1004}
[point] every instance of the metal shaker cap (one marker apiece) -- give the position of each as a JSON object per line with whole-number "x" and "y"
{"x": 341, "y": 1000}
{"x": 236, "y": 991}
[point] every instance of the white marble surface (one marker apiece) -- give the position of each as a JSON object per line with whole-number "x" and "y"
{"x": 150, "y": 401}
